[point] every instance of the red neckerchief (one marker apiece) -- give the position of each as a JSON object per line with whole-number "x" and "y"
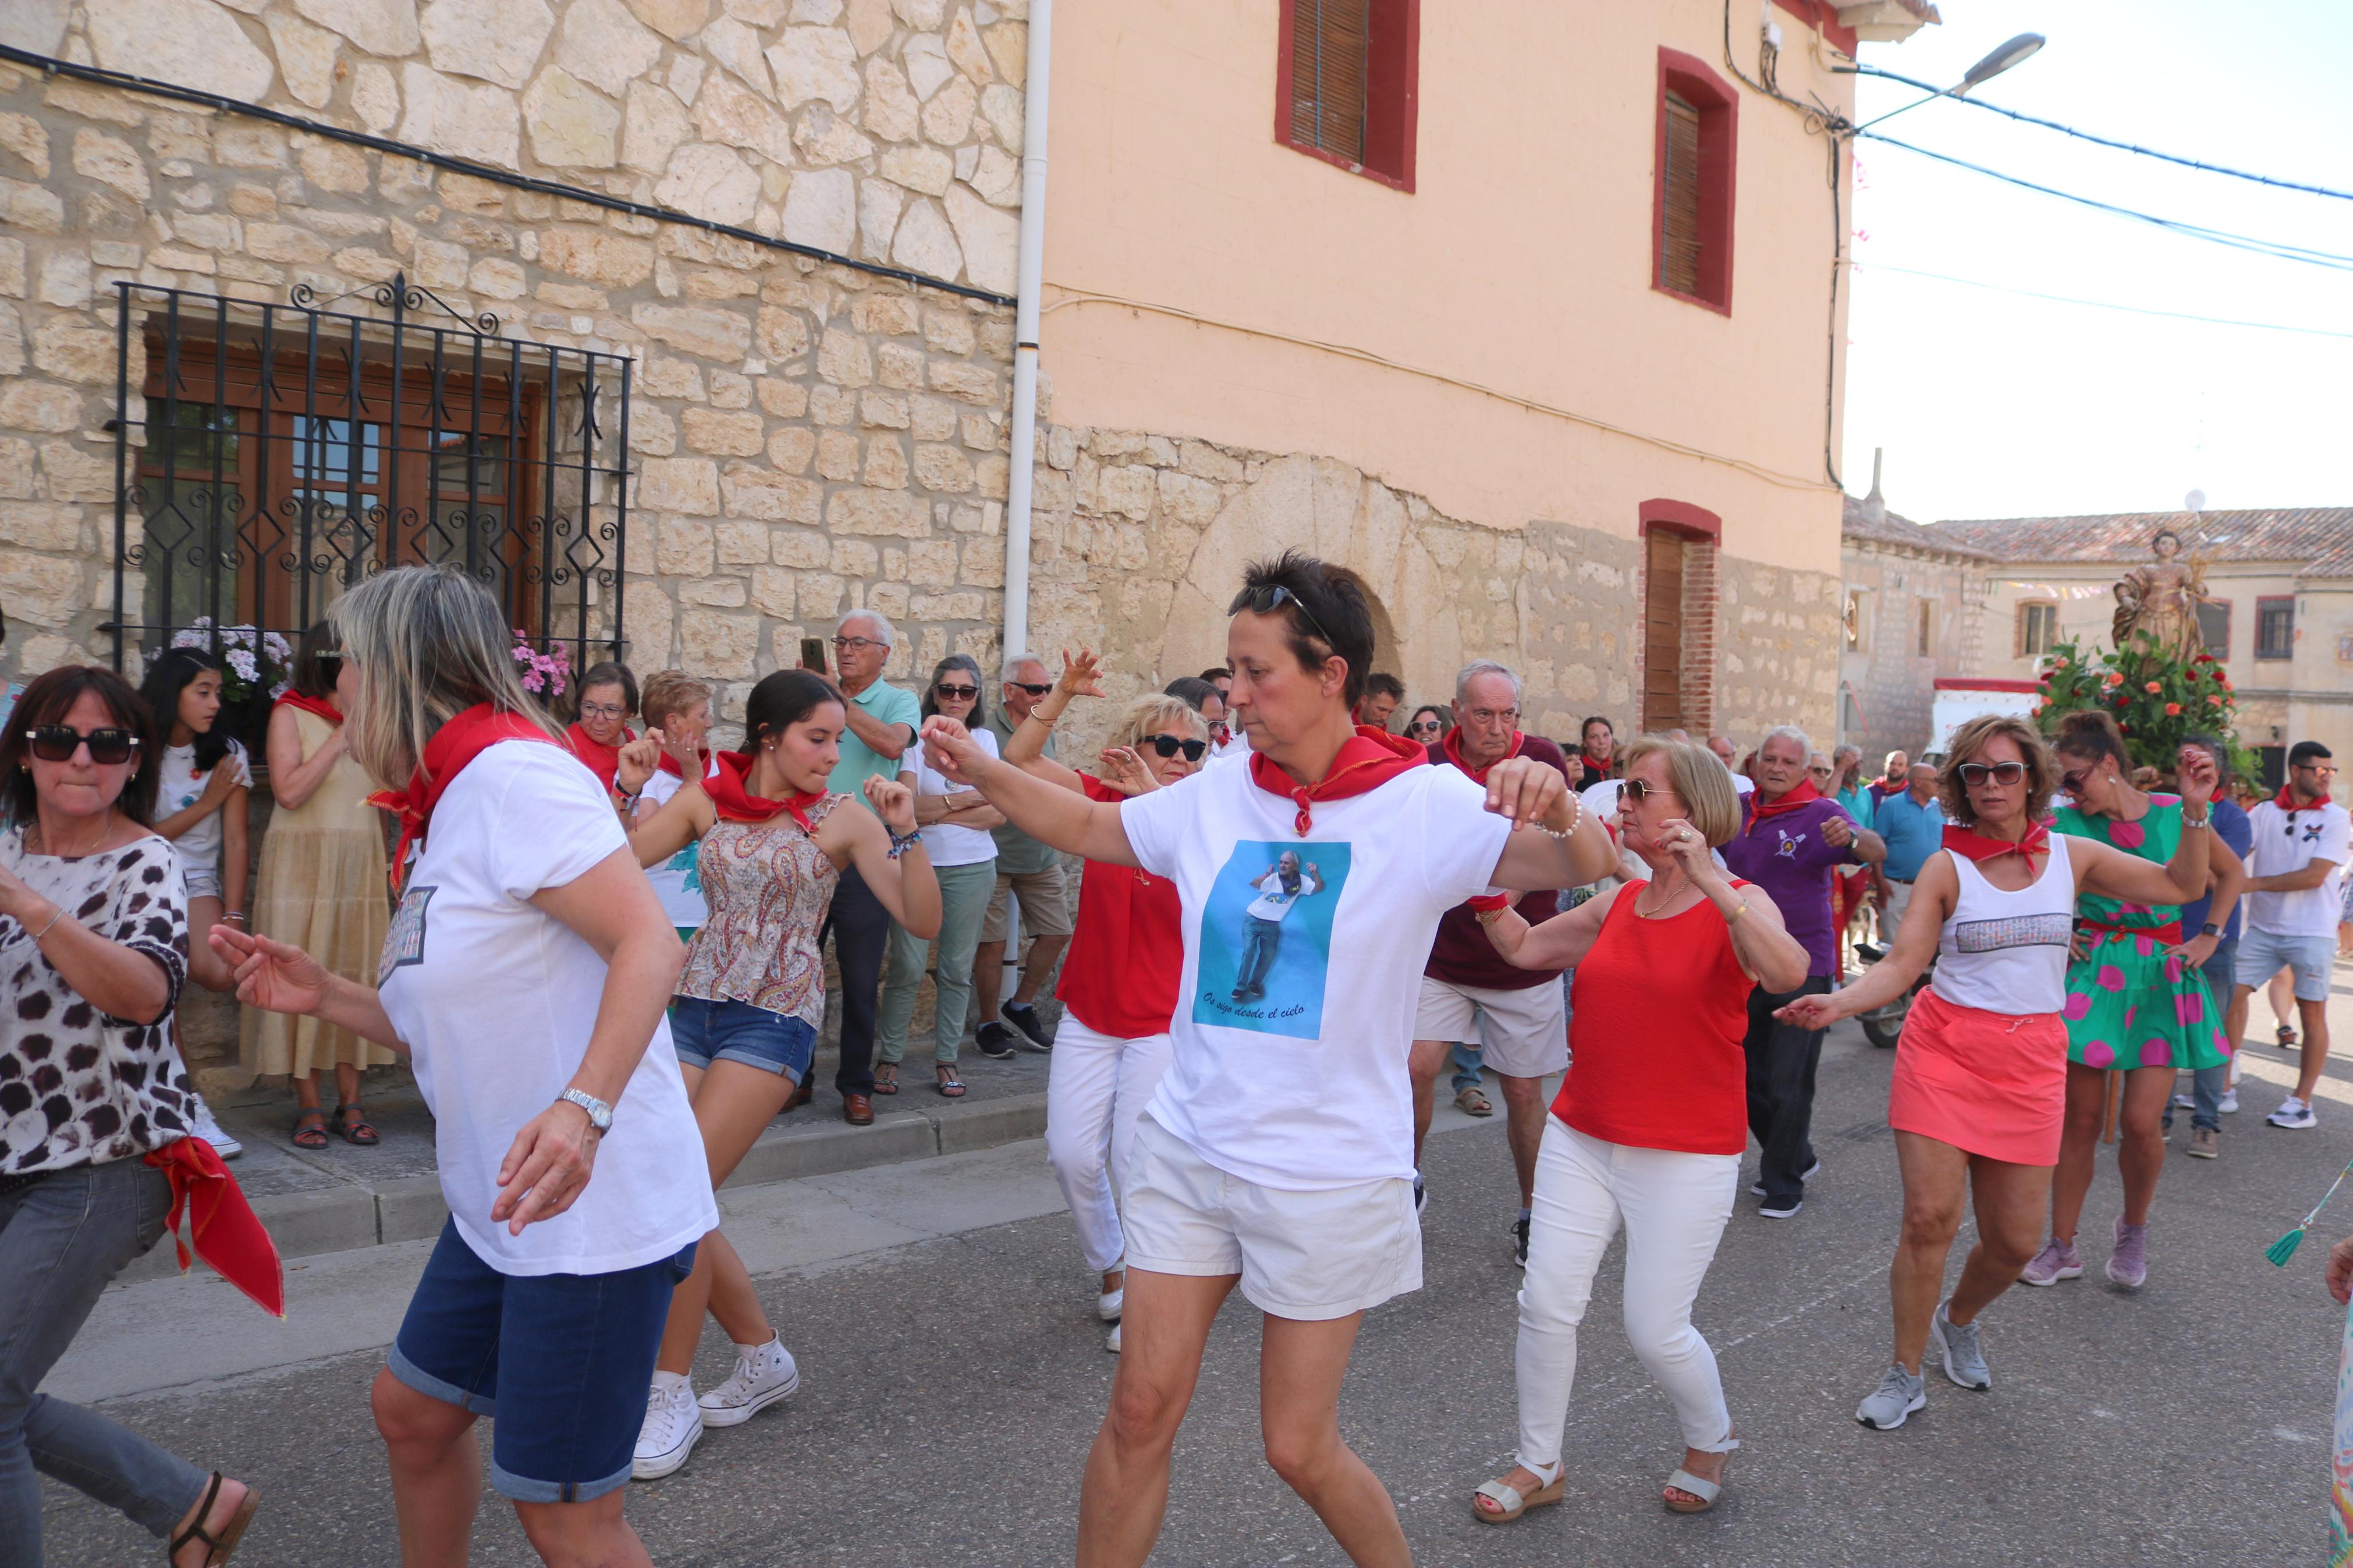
{"x": 604, "y": 761}
{"x": 455, "y": 744}
{"x": 1977, "y": 846}
{"x": 1370, "y": 759}
{"x": 1759, "y": 808}
{"x": 735, "y": 803}
{"x": 2286, "y": 801}
{"x": 317, "y": 705}
{"x": 222, "y": 1227}
{"x": 1597, "y": 765}
{"x": 670, "y": 763}
{"x": 1453, "y": 746}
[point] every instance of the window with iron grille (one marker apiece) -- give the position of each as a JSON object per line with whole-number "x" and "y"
{"x": 1346, "y": 84}
{"x": 2038, "y": 629}
{"x": 273, "y": 455}
{"x": 2275, "y": 627}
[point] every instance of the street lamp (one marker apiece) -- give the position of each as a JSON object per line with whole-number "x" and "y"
{"x": 2015, "y": 52}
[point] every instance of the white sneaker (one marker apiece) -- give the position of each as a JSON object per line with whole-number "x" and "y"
{"x": 1108, "y": 1304}
{"x": 2229, "y": 1104}
{"x": 759, "y": 1379}
{"x": 212, "y": 1132}
{"x": 2185, "y": 1102}
{"x": 1111, "y": 1344}
{"x": 2292, "y": 1113}
{"x": 673, "y": 1426}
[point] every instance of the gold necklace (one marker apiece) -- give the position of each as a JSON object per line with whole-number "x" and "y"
{"x": 40, "y": 840}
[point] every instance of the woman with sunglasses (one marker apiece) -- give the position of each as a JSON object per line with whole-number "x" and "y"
{"x": 608, "y": 695}
{"x": 1428, "y": 724}
{"x": 1119, "y": 984}
{"x": 321, "y": 888}
{"x": 1980, "y": 1084}
{"x": 95, "y": 931}
{"x": 955, "y": 823}
{"x": 2137, "y": 1001}
{"x": 774, "y": 844}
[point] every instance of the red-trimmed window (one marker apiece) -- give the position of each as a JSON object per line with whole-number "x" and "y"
{"x": 1345, "y": 72}
{"x": 1698, "y": 135}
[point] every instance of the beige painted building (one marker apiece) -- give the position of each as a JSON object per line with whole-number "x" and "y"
{"x": 686, "y": 324}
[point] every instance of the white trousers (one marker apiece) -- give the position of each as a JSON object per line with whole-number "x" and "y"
{"x": 1674, "y": 1206}
{"x": 1095, "y": 1088}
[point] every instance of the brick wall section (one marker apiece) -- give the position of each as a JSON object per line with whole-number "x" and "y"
{"x": 1700, "y": 674}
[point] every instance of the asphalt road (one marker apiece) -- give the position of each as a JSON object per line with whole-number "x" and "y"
{"x": 953, "y": 1382}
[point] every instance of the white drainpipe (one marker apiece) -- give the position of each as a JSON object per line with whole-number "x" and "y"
{"x": 1030, "y": 268}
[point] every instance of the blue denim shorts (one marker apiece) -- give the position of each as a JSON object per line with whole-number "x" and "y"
{"x": 560, "y": 1362}
{"x": 706, "y": 1031}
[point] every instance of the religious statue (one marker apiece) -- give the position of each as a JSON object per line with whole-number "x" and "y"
{"x": 2161, "y": 598}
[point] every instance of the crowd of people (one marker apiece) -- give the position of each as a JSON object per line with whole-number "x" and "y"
{"x": 1276, "y": 903}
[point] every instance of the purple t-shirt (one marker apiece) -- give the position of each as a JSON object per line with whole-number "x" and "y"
{"x": 1786, "y": 856}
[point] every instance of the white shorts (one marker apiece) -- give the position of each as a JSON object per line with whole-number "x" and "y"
{"x": 1899, "y": 899}
{"x": 1310, "y": 1257}
{"x": 2263, "y": 953}
{"x": 204, "y": 881}
{"x": 1520, "y": 1034}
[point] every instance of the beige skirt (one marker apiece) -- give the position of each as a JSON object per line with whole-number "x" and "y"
{"x": 325, "y": 893}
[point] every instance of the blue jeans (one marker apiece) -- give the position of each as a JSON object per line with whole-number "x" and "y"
{"x": 1469, "y": 1063}
{"x": 703, "y": 1032}
{"x": 2206, "y": 1084}
{"x": 62, "y": 1238}
{"x": 1261, "y": 940}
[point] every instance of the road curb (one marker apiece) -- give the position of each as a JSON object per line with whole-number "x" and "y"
{"x": 352, "y": 1214}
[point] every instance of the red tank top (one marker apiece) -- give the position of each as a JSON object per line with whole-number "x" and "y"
{"x": 1127, "y": 953}
{"x": 1661, "y": 1009}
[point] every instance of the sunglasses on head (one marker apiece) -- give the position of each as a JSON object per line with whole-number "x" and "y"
{"x": 59, "y": 742}
{"x": 1974, "y": 773}
{"x": 957, "y": 693}
{"x": 1269, "y": 597}
{"x": 1169, "y": 746}
{"x": 1032, "y": 690}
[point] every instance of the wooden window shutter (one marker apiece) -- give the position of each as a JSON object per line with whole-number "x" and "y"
{"x": 1328, "y": 55}
{"x": 1679, "y": 241}
{"x": 1663, "y": 633}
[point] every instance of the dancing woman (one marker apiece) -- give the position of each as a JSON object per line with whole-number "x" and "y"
{"x": 1119, "y": 984}
{"x": 1653, "y": 1117}
{"x": 1980, "y": 1083}
{"x": 774, "y": 844}
{"x": 2137, "y": 1001}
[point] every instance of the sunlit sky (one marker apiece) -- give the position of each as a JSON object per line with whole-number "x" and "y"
{"x": 1992, "y": 405}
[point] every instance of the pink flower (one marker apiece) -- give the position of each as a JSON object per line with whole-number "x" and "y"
{"x": 2172, "y": 709}
{"x": 2153, "y": 688}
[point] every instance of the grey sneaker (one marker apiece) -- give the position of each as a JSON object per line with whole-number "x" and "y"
{"x": 2128, "y": 1264}
{"x": 2058, "y": 1260}
{"x": 1899, "y": 1394}
{"x": 1965, "y": 1360}
{"x": 2205, "y": 1143}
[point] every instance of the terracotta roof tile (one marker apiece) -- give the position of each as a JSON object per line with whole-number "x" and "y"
{"x": 2317, "y": 541}
{"x": 1894, "y": 529}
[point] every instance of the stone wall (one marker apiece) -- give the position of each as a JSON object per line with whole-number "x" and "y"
{"x": 1892, "y": 683}
{"x": 1779, "y": 643}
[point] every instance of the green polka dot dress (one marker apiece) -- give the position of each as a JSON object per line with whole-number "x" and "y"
{"x": 2128, "y": 1004}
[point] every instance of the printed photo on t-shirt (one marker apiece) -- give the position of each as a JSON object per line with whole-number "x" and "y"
{"x": 1266, "y": 938}
{"x": 404, "y": 940}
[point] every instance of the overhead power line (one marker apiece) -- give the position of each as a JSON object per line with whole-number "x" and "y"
{"x": 2280, "y": 249}
{"x": 2100, "y": 304}
{"x": 2110, "y": 141}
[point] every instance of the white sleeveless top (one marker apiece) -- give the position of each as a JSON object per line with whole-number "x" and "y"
{"x": 2007, "y": 952}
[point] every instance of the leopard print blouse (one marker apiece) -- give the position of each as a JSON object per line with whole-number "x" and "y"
{"x": 78, "y": 1087}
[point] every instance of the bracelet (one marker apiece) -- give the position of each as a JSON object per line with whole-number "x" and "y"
{"x": 1489, "y": 917}
{"x": 901, "y": 844}
{"x": 237, "y": 915}
{"x": 1738, "y": 910}
{"x": 2200, "y": 822}
{"x": 1576, "y": 816}
{"x": 45, "y": 930}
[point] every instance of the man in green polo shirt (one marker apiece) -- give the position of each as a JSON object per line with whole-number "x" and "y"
{"x": 882, "y": 721}
{"x": 1027, "y": 871}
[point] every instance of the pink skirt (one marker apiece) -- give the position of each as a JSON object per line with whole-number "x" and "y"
{"x": 1987, "y": 1083}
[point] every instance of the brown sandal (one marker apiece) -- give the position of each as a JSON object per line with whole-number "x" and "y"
{"x": 217, "y": 1548}
{"x": 314, "y": 1135}
{"x": 351, "y": 1125}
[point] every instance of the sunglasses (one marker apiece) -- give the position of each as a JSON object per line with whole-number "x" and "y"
{"x": 1974, "y": 773}
{"x": 1267, "y": 599}
{"x": 59, "y": 742}
{"x": 2072, "y": 783}
{"x": 1640, "y": 790}
{"x": 1169, "y": 746}
{"x": 1431, "y": 726}
{"x": 958, "y": 693}
{"x": 1032, "y": 690}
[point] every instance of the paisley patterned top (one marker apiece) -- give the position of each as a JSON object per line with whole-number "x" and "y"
{"x": 78, "y": 1087}
{"x": 768, "y": 886}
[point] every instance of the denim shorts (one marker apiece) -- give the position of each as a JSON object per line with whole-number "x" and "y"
{"x": 704, "y": 1032}
{"x": 561, "y": 1363}
{"x": 2263, "y": 953}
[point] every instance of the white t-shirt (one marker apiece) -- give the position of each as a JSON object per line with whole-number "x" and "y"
{"x": 675, "y": 881}
{"x": 496, "y": 997}
{"x": 178, "y": 786}
{"x": 2285, "y": 843}
{"x": 1306, "y": 1088}
{"x": 947, "y": 845}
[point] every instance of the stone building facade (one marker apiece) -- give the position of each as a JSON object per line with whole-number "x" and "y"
{"x": 1914, "y": 611}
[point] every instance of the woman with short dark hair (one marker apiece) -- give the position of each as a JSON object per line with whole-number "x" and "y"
{"x": 525, "y": 974}
{"x": 93, "y": 920}
{"x": 1428, "y": 724}
{"x": 321, "y": 888}
{"x": 1980, "y": 1084}
{"x": 607, "y": 696}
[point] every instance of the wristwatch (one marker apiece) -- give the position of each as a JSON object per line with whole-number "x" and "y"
{"x": 2209, "y": 929}
{"x": 600, "y": 1115}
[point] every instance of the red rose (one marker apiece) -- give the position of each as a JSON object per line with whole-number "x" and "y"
{"x": 2190, "y": 674}
{"x": 2173, "y": 710}
{"x": 2216, "y": 702}
{"x": 2153, "y": 688}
